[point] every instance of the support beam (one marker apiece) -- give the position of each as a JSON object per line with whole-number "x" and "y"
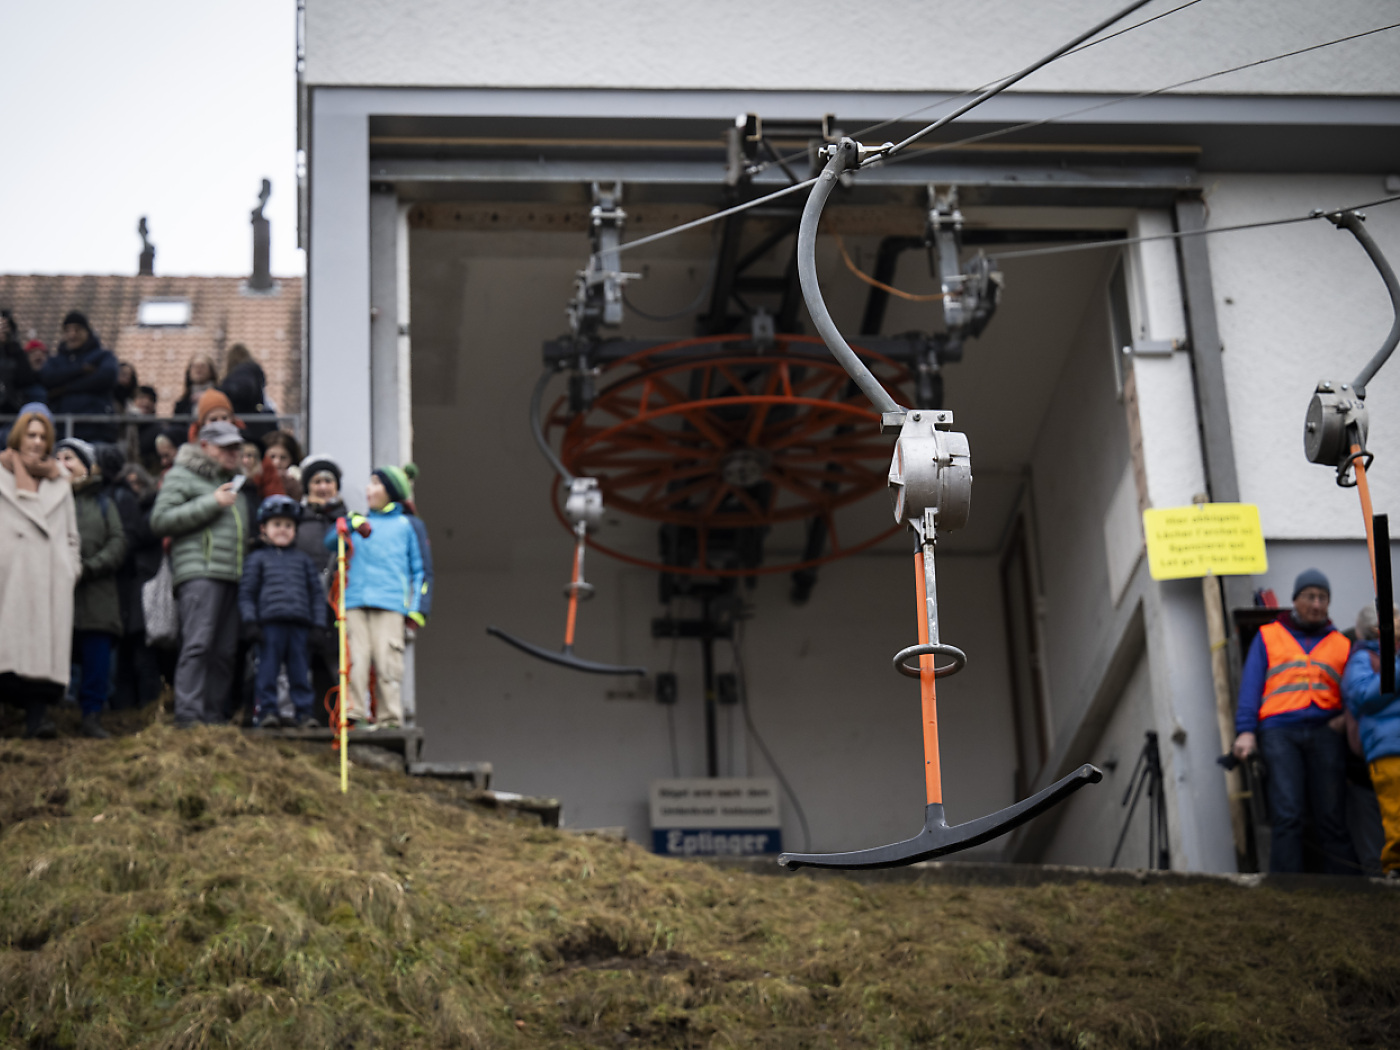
{"x": 338, "y": 287}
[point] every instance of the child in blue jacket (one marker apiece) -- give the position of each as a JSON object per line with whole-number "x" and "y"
{"x": 384, "y": 594}
{"x": 1378, "y": 717}
{"x": 281, "y": 602}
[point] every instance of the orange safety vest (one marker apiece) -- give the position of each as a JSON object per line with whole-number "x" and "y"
{"x": 1297, "y": 679}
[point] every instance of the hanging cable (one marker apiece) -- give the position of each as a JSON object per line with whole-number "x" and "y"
{"x": 736, "y": 641}
{"x": 1002, "y": 132}
{"x": 870, "y": 129}
{"x": 537, "y": 427}
{"x": 910, "y": 296}
{"x": 1117, "y": 242}
{"x": 943, "y": 146}
{"x": 1015, "y": 78}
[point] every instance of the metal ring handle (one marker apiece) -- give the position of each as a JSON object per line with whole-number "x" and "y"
{"x": 959, "y": 660}
{"x": 1344, "y": 468}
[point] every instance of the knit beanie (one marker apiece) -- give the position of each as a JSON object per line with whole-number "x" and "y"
{"x": 79, "y": 448}
{"x": 313, "y": 465}
{"x": 1311, "y": 578}
{"x": 77, "y": 317}
{"x": 210, "y": 400}
{"x": 35, "y": 406}
{"x": 398, "y": 481}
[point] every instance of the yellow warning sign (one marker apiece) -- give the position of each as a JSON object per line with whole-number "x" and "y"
{"x": 1220, "y": 538}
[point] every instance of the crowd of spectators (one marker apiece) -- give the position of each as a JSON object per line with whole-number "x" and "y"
{"x": 1311, "y": 707}
{"x": 227, "y": 517}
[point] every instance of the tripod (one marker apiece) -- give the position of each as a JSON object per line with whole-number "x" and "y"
{"x": 1147, "y": 774}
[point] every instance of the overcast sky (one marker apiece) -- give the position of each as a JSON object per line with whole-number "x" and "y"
{"x": 171, "y": 109}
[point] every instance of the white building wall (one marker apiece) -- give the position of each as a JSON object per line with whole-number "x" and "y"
{"x": 894, "y": 45}
{"x": 1297, "y": 304}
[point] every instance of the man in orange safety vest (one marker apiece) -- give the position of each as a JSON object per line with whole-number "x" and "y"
{"x": 1290, "y": 709}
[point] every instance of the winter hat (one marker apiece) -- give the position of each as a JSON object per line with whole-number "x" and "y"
{"x": 36, "y": 406}
{"x": 79, "y": 448}
{"x": 220, "y": 434}
{"x": 77, "y": 317}
{"x": 1311, "y": 578}
{"x": 398, "y": 481}
{"x": 210, "y": 400}
{"x": 313, "y": 465}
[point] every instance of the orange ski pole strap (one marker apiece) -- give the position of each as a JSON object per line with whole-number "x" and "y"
{"x": 575, "y": 582}
{"x": 1363, "y": 489}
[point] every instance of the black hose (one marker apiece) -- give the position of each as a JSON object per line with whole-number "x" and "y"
{"x": 842, "y": 158}
{"x": 537, "y": 427}
{"x": 1350, "y": 220}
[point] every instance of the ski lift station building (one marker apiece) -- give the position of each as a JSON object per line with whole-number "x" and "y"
{"x": 451, "y": 150}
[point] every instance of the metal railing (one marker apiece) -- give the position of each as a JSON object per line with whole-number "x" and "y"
{"x": 65, "y": 421}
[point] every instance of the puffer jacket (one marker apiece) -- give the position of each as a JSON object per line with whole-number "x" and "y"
{"x": 96, "y": 605}
{"x": 386, "y": 569}
{"x": 81, "y": 381}
{"x": 317, "y": 519}
{"x": 209, "y": 541}
{"x": 281, "y": 583}
{"x": 1377, "y": 713}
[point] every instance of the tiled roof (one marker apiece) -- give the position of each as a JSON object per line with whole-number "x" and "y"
{"x": 222, "y": 312}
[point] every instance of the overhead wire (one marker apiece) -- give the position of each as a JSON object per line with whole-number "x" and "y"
{"x": 869, "y": 129}
{"x": 1041, "y": 122}
{"x": 943, "y": 146}
{"x": 1116, "y": 242}
{"x": 1015, "y": 78}
{"x": 862, "y": 275}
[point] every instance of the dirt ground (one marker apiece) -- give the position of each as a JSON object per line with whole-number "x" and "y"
{"x": 200, "y": 889}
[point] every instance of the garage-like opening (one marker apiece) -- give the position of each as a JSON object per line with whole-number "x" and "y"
{"x": 1022, "y": 586}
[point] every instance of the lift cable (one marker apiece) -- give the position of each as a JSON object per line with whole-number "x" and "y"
{"x": 1002, "y": 85}
{"x": 943, "y": 146}
{"x": 862, "y": 132}
{"x": 1001, "y": 132}
{"x": 1179, "y": 234}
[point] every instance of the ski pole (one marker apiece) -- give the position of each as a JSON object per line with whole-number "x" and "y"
{"x": 344, "y": 666}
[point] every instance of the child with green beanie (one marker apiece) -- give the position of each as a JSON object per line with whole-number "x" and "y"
{"x": 383, "y": 593}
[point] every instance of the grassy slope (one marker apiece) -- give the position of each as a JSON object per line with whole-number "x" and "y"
{"x": 198, "y": 889}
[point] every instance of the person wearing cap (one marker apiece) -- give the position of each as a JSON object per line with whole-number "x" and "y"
{"x": 281, "y": 604}
{"x": 19, "y": 379}
{"x": 97, "y": 613}
{"x": 320, "y": 508}
{"x": 383, "y": 593}
{"x": 40, "y": 561}
{"x": 199, "y": 508}
{"x": 81, "y": 378}
{"x": 1290, "y": 710}
{"x": 1378, "y": 715}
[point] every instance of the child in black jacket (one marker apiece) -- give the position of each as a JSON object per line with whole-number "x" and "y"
{"x": 281, "y": 602}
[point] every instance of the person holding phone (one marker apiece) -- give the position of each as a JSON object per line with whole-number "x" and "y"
{"x": 200, "y": 510}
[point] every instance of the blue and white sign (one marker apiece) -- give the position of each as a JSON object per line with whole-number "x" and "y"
{"x": 712, "y": 817}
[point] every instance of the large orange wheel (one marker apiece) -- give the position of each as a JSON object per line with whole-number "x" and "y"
{"x": 711, "y": 434}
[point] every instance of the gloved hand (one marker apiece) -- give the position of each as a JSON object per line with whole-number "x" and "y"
{"x": 251, "y": 633}
{"x": 363, "y": 528}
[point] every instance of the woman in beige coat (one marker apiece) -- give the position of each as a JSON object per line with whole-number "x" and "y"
{"x": 40, "y": 561}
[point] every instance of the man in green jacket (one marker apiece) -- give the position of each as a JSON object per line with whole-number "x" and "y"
{"x": 198, "y": 507}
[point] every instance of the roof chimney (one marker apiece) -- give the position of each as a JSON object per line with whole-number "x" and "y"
{"x": 261, "y": 281}
{"x": 147, "y": 266}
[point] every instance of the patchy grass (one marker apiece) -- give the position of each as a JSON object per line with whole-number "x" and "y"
{"x": 186, "y": 890}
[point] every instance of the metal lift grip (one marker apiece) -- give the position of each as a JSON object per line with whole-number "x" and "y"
{"x": 931, "y": 479}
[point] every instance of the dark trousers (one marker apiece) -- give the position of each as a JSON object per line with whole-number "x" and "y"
{"x": 283, "y": 643}
{"x": 94, "y": 651}
{"x": 1307, "y": 776}
{"x": 208, "y": 640}
{"x": 138, "y": 673}
{"x": 32, "y": 694}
